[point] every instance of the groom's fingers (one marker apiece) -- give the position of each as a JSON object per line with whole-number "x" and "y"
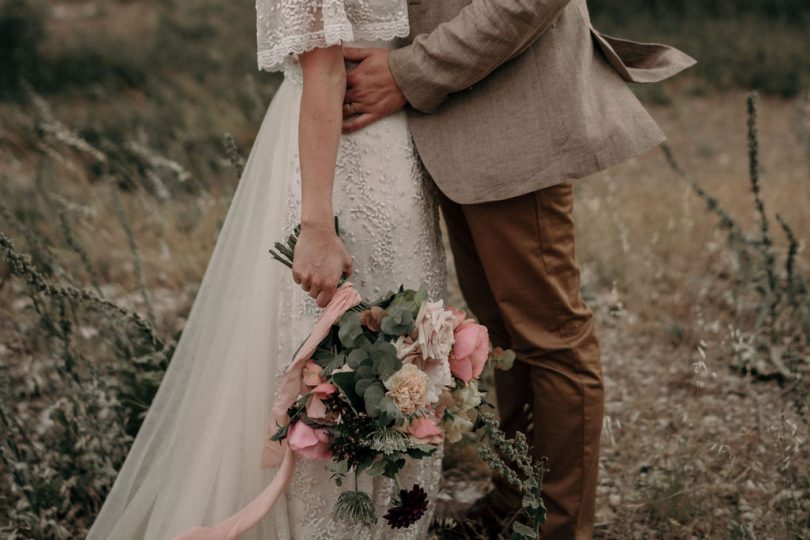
{"x": 354, "y": 54}
{"x": 352, "y": 108}
{"x": 351, "y": 95}
{"x": 358, "y": 122}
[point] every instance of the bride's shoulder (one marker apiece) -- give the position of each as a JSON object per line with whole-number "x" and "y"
{"x": 288, "y": 28}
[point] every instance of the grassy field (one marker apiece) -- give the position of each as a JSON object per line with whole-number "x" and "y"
{"x": 115, "y": 178}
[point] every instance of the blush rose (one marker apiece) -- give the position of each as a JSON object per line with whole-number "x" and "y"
{"x": 309, "y": 442}
{"x": 470, "y": 351}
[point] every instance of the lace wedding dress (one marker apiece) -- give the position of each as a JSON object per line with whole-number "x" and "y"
{"x": 195, "y": 460}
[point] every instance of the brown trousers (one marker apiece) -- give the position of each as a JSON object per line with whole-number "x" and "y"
{"x": 518, "y": 273}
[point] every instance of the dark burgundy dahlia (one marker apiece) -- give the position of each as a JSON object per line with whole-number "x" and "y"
{"x": 411, "y": 506}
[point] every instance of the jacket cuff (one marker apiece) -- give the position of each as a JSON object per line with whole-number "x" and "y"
{"x": 406, "y": 72}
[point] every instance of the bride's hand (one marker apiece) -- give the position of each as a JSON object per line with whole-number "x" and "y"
{"x": 320, "y": 259}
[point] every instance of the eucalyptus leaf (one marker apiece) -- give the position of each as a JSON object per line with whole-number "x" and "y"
{"x": 382, "y": 349}
{"x": 387, "y": 367}
{"x": 373, "y": 396}
{"x": 356, "y": 357}
{"x": 399, "y": 321}
{"x": 365, "y": 372}
{"x": 362, "y": 385}
{"x": 350, "y": 329}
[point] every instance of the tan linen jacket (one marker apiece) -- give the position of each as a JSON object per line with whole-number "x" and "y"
{"x": 511, "y": 96}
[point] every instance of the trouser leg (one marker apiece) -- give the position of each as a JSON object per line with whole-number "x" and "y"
{"x": 517, "y": 269}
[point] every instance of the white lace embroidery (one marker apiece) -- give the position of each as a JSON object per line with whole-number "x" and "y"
{"x": 388, "y": 215}
{"x": 291, "y": 27}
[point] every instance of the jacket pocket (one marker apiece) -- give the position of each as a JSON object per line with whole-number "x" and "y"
{"x": 642, "y": 62}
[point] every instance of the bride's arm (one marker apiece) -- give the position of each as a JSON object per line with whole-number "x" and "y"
{"x": 320, "y": 257}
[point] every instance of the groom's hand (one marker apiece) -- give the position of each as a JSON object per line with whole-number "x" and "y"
{"x": 371, "y": 91}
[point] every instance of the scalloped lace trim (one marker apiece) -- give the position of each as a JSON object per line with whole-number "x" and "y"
{"x": 272, "y": 59}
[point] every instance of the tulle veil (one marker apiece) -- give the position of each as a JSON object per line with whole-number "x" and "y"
{"x": 196, "y": 458}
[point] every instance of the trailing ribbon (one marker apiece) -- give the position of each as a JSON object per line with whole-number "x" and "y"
{"x": 274, "y": 453}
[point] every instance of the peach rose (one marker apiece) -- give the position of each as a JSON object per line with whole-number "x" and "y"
{"x": 470, "y": 351}
{"x": 425, "y": 431}
{"x": 408, "y": 388}
{"x": 309, "y": 442}
{"x": 316, "y": 408}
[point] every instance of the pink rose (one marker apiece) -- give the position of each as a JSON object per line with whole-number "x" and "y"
{"x": 316, "y": 408}
{"x": 470, "y": 351}
{"x": 425, "y": 431}
{"x": 312, "y": 374}
{"x": 310, "y": 443}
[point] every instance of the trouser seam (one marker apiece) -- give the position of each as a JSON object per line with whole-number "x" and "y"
{"x": 573, "y": 352}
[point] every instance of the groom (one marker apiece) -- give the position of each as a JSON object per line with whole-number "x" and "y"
{"x": 510, "y": 100}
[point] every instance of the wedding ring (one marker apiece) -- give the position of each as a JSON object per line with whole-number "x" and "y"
{"x": 351, "y": 107}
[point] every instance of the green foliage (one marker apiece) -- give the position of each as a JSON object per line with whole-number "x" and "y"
{"x": 350, "y": 329}
{"x": 399, "y": 321}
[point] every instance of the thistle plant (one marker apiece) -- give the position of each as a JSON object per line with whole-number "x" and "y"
{"x": 233, "y": 154}
{"x": 21, "y": 266}
{"x": 781, "y": 314}
{"x": 390, "y": 441}
{"x": 512, "y": 459}
{"x": 355, "y": 507}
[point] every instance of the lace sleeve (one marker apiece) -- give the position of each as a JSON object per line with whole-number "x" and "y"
{"x": 290, "y": 27}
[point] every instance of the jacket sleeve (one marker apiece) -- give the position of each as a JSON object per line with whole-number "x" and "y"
{"x": 467, "y": 48}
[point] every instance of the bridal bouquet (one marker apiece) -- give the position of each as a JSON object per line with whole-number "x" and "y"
{"x": 390, "y": 381}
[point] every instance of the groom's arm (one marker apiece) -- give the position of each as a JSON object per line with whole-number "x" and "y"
{"x": 467, "y": 48}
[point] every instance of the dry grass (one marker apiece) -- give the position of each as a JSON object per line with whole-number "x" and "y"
{"x": 692, "y": 449}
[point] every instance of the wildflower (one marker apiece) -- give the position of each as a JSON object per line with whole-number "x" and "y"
{"x": 410, "y": 507}
{"x": 355, "y": 507}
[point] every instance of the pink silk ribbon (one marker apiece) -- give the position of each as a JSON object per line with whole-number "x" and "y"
{"x": 276, "y": 454}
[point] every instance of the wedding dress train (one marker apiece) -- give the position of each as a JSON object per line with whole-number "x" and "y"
{"x": 195, "y": 460}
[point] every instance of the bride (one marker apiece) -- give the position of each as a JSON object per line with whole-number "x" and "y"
{"x": 195, "y": 460}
